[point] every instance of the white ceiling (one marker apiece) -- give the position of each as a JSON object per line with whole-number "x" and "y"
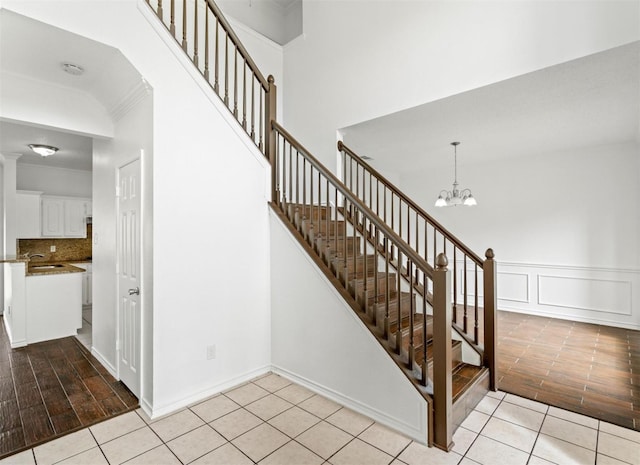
{"x": 590, "y": 101}
{"x": 37, "y": 50}
{"x": 75, "y": 151}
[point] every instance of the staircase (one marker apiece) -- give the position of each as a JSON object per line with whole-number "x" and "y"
{"x": 385, "y": 308}
{"x": 401, "y": 287}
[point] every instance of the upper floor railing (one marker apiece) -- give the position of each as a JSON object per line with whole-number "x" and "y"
{"x": 207, "y": 38}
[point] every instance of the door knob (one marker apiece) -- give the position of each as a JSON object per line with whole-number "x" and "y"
{"x": 135, "y": 291}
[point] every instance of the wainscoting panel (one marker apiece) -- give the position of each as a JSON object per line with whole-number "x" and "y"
{"x": 593, "y": 295}
{"x": 586, "y": 294}
{"x": 513, "y": 286}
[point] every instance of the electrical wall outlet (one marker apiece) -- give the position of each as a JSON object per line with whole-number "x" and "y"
{"x": 52, "y": 248}
{"x": 211, "y": 352}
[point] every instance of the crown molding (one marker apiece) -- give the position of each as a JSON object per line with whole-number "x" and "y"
{"x": 130, "y": 100}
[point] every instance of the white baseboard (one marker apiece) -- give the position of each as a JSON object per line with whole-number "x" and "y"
{"x": 18, "y": 344}
{"x": 160, "y": 411}
{"x": 418, "y": 435}
{"x": 105, "y": 363}
{"x": 146, "y": 407}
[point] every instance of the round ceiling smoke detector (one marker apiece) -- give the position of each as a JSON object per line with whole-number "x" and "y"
{"x": 72, "y": 69}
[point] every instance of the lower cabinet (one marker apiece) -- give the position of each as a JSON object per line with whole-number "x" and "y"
{"x": 87, "y": 289}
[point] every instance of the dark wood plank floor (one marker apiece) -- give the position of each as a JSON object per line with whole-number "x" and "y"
{"x": 52, "y": 388}
{"x": 589, "y": 369}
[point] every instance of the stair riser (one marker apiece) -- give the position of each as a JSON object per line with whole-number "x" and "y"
{"x": 456, "y": 355}
{"x": 325, "y": 228}
{"x": 384, "y": 282}
{"x": 372, "y": 301}
{"x": 312, "y": 213}
{"x": 405, "y": 309}
{"x": 339, "y": 248}
{"x": 357, "y": 266}
{"x": 417, "y": 334}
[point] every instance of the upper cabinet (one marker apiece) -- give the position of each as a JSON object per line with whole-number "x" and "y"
{"x": 28, "y": 214}
{"x": 64, "y": 216}
{"x": 75, "y": 214}
{"x": 52, "y": 217}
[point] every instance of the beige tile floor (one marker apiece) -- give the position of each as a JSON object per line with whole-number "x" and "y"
{"x": 272, "y": 421}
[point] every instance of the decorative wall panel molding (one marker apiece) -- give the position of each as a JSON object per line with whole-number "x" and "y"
{"x": 599, "y": 295}
{"x": 594, "y": 295}
{"x": 513, "y": 286}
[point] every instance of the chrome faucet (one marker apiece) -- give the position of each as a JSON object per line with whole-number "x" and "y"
{"x": 34, "y": 255}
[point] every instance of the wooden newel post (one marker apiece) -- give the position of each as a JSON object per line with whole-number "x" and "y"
{"x": 442, "y": 376}
{"x": 490, "y": 318}
{"x": 270, "y": 136}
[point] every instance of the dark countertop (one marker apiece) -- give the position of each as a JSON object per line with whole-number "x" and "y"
{"x": 37, "y": 268}
{"x": 48, "y": 268}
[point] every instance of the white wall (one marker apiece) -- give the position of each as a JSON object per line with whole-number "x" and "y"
{"x": 564, "y": 227}
{"x": 210, "y": 221}
{"x": 279, "y": 24}
{"x": 382, "y": 57}
{"x": 320, "y": 342}
{"x": 54, "y": 181}
{"x": 133, "y": 140}
{"x": 360, "y": 60}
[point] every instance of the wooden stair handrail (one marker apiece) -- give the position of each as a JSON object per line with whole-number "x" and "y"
{"x": 444, "y": 231}
{"x": 370, "y": 214}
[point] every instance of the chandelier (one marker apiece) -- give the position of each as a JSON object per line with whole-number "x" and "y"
{"x": 455, "y": 197}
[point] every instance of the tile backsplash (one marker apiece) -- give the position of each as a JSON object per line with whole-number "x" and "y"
{"x": 66, "y": 249}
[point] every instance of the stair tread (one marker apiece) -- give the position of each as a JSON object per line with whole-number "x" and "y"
{"x": 464, "y": 377}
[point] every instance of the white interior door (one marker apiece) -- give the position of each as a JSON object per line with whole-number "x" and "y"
{"x": 129, "y": 308}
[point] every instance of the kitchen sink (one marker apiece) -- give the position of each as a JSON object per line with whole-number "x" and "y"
{"x": 45, "y": 267}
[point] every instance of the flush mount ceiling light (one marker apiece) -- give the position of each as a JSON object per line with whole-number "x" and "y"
{"x": 72, "y": 69}
{"x": 43, "y": 150}
{"x": 455, "y": 197}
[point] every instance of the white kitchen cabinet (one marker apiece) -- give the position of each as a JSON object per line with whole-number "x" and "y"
{"x": 28, "y": 214}
{"x": 52, "y": 217}
{"x": 64, "y": 216}
{"x": 54, "y": 306}
{"x": 74, "y": 218}
{"x": 15, "y": 304}
{"x": 87, "y": 278}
